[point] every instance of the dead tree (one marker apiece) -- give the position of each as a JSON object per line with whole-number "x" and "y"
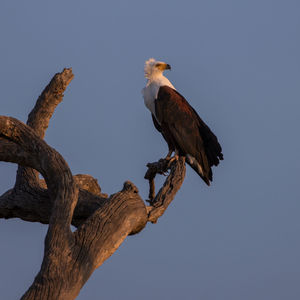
{"x": 62, "y": 199}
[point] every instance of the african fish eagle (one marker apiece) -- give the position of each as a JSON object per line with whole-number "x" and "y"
{"x": 180, "y": 125}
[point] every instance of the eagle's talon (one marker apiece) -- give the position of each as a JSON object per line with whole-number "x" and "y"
{"x": 175, "y": 157}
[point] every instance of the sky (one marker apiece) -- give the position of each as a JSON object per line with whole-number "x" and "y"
{"x": 237, "y": 63}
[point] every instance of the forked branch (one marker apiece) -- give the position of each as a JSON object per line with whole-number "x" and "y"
{"x": 63, "y": 199}
{"x": 160, "y": 202}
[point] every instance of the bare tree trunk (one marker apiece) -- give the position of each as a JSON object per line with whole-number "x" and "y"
{"x": 63, "y": 199}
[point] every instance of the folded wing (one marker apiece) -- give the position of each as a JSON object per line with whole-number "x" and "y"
{"x": 185, "y": 131}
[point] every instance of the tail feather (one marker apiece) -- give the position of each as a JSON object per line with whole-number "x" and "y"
{"x": 204, "y": 173}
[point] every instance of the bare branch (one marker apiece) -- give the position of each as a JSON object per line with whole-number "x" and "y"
{"x": 172, "y": 184}
{"x": 50, "y": 164}
{"x": 39, "y": 118}
{"x": 102, "y": 223}
{"x": 94, "y": 241}
{"x": 12, "y": 152}
{"x": 52, "y": 95}
{"x": 160, "y": 167}
{"x": 34, "y": 205}
{"x": 124, "y": 213}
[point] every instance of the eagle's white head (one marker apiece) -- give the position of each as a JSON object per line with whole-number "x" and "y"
{"x": 154, "y": 68}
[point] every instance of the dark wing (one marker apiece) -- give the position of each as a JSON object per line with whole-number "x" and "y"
{"x": 166, "y": 134}
{"x": 212, "y": 147}
{"x": 156, "y": 124}
{"x": 191, "y": 136}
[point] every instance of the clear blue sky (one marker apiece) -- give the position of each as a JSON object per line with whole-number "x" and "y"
{"x": 237, "y": 62}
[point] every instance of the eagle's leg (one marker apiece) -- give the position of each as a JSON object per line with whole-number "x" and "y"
{"x": 175, "y": 157}
{"x": 168, "y": 157}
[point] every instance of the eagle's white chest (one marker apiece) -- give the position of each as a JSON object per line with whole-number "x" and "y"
{"x": 150, "y": 94}
{"x": 150, "y": 91}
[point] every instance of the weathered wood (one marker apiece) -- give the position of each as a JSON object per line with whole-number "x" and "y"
{"x": 94, "y": 241}
{"x": 171, "y": 186}
{"x": 38, "y": 120}
{"x": 34, "y": 205}
{"x": 63, "y": 199}
{"x": 123, "y": 214}
{"x": 160, "y": 167}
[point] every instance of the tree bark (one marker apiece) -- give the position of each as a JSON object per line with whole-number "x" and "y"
{"x": 62, "y": 199}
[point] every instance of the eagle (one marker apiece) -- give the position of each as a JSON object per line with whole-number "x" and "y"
{"x": 178, "y": 122}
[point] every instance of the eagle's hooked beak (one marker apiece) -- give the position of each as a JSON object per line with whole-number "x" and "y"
{"x": 168, "y": 67}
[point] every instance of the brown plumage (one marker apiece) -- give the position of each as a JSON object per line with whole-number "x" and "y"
{"x": 185, "y": 132}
